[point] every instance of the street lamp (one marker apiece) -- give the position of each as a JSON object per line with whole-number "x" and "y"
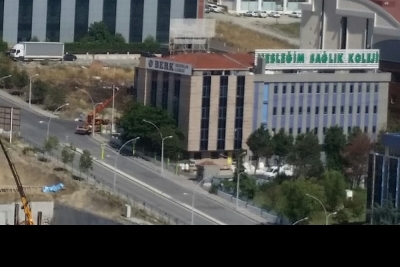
{"x": 48, "y": 123}
{"x": 237, "y": 189}
{"x": 194, "y": 194}
{"x": 116, "y": 159}
{"x": 162, "y": 144}
{"x": 299, "y": 221}
{"x": 5, "y": 77}
{"x": 30, "y": 88}
{"x": 94, "y": 108}
{"x": 320, "y": 202}
{"x": 113, "y": 105}
{"x": 331, "y": 214}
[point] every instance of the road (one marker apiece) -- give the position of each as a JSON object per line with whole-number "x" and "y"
{"x": 35, "y": 132}
{"x": 256, "y": 24}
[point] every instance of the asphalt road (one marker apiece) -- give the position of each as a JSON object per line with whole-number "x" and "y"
{"x": 35, "y": 132}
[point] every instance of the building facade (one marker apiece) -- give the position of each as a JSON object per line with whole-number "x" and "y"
{"x": 390, "y": 6}
{"x": 68, "y": 20}
{"x": 241, "y": 6}
{"x": 210, "y": 95}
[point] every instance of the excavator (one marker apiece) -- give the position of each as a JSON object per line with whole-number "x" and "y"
{"x": 24, "y": 200}
{"x": 86, "y": 127}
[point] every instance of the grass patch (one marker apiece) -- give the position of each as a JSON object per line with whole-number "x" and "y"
{"x": 246, "y": 39}
{"x": 291, "y": 29}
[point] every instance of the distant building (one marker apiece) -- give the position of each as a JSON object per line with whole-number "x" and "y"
{"x": 68, "y": 20}
{"x": 240, "y": 6}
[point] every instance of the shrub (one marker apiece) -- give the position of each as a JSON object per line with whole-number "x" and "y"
{"x": 112, "y": 48}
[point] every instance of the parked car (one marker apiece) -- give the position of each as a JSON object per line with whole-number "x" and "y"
{"x": 207, "y": 10}
{"x": 262, "y": 14}
{"x": 295, "y": 14}
{"x": 253, "y": 14}
{"x": 214, "y": 8}
{"x": 274, "y": 14}
{"x": 69, "y": 57}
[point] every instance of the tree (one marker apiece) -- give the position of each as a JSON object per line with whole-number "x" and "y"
{"x": 133, "y": 126}
{"x": 50, "y": 144}
{"x": 296, "y": 204}
{"x": 56, "y": 96}
{"x": 20, "y": 79}
{"x": 306, "y": 155}
{"x": 34, "y": 39}
{"x": 85, "y": 162}
{"x": 334, "y": 143}
{"x": 356, "y": 155}
{"x": 68, "y": 154}
{"x": 334, "y": 187}
{"x": 283, "y": 146}
{"x": 150, "y": 44}
{"x": 98, "y": 32}
{"x": 3, "y": 46}
{"x": 260, "y": 144}
{"x": 385, "y": 214}
{"x": 40, "y": 90}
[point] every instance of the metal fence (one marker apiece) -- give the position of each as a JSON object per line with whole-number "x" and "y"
{"x": 137, "y": 205}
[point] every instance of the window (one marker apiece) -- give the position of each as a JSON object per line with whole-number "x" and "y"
{"x": 366, "y": 109}
{"x": 293, "y": 87}
{"x": 283, "y": 111}
{"x": 335, "y": 88}
{"x": 177, "y": 95}
{"x": 359, "y": 87}
{"x": 237, "y": 143}
{"x": 223, "y": 103}
{"x": 358, "y": 110}
{"x": 284, "y": 89}
{"x": 290, "y": 130}
{"x": 274, "y": 111}
{"x": 273, "y": 130}
{"x": 205, "y": 113}
{"x": 310, "y": 88}
{"x": 301, "y": 88}
{"x": 342, "y": 110}
{"x": 1, "y": 17}
{"x": 315, "y": 130}
{"x": 307, "y": 130}
{"x": 324, "y": 130}
{"x": 348, "y": 130}
{"x": 318, "y": 88}
{"x": 300, "y": 110}
{"x": 317, "y": 110}
{"x": 344, "y": 88}
{"x": 333, "y": 110}
{"x": 53, "y": 20}
{"x": 365, "y": 129}
{"x": 81, "y": 19}
{"x": 373, "y": 129}
{"x": 326, "y": 88}
{"x": 343, "y": 33}
{"x": 299, "y": 130}
{"x": 136, "y": 20}
{"x": 154, "y": 85}
{"x": 275, "y": 89}
{"x": 376, "y": 87}
{"x": 325, "y": 110}
{"x": 308, "y": 110}
{"x": 291, "y": 110}
{"x": 375, "y": 110}
{"x": 368, "y": 88}
{"x": 163, "y": 20}
{"x": 350, "y": 109}
{"x": 110, "y": 15}
{"x": 190, "y": 9}
{"x": 24, "y": 20}
{"x": 165, "y": 87}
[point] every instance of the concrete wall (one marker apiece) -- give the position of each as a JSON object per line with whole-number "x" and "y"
{"x": 7, "y": 212}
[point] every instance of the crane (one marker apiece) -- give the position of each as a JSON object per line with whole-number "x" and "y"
{"x": 86, "y": 127}
{"x": 24, "y": 200}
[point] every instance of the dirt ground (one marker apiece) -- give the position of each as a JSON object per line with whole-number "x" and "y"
{"x": 34, "y": 173}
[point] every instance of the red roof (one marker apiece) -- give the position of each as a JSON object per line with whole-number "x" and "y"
{"x": 211, "y": 61}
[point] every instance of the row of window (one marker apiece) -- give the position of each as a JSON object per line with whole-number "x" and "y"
{"x": 319, "y": 87}
{"x": 324, "y": 129}
{"x": 325, "y": 110}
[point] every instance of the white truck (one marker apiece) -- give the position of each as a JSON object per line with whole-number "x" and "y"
{"x": 272, "y": 172}
{"x": 28, "y": 51}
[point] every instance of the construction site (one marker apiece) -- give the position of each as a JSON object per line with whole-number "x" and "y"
{"x": 24, "y": 200}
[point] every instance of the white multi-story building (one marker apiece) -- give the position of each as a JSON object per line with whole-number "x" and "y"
{"x": 241, "y": 6}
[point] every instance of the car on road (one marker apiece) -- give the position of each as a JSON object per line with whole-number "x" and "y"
{"x": 274, "y": 14}
{"x": 295, "y": 14}
{"x": 69, "y": 57}
{"x": 262, "y": 14}
{"x": 253, "y": 14}
{"x": 214, "y": 8}
{"x": 207, "y": 10}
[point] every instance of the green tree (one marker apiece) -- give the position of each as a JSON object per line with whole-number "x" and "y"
{"x": 50, "y": 144}
{"x": 334, "y": 187}
{"x": 98, "y": 32}
{"x": 34, "y": 39}
{"x": 56, "y": 96}
{"x": 385, "y": 214}
{"x": 296, "y": 204}
{"x": 85, "y": 162}
{"x": 20, "y": 79}
{"x": 150, "y": 44}
{"x": 306, "y": 155}
{"x": 68, "y": 154}
{"x": 283, "y": 146}
{"x": 40, "y": 90}
{"x": 260, "y": 144}
{"x": 133, "y": 126}
{"x": 334, "y": 143}
{"x": 3, "y": 46}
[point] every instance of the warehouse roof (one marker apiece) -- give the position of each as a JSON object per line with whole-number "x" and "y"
{"x": 211, "y": 61}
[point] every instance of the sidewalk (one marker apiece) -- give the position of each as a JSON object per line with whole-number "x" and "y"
{"x": 21, "y": 103}
{"x": 188, "y": 184}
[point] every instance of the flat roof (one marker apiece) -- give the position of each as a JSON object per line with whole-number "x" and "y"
{"x": 212, "y": 61}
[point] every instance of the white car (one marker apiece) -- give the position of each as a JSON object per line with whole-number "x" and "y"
{"x": 274, "y": 14}
{"x": 295, "y": 14}
{"x": 253, "y": 14}
{"x": 262, "y": 14}
{"x": 272, "y": 172}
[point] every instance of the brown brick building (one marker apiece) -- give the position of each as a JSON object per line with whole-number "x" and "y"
{"x": 210, "y": 95}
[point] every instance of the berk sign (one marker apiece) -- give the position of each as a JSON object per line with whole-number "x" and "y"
{"x": 168, "y": 66}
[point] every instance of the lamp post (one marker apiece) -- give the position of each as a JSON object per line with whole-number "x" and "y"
{"x": 299, "y": 221}
{"x": 113, "y": 107}
{"x": 162, "y": 144}
{"x": 116, "y": 159}
{"x": 237, "y": 190}
{"x": 320, "y": 202}
{"x": 48, "y": 123}
{"x": 5, "y": 77}
{"x": 30, "y": 88}
{"x": 331, "y": 214}
{"x": 94, "y": 108}
{"x": 194, "y": 194}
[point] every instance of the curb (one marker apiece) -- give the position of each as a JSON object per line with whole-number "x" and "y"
{"x": 201, "y": 192}
{"x": 12, "y": 99}
{"x": 154, "y": 190}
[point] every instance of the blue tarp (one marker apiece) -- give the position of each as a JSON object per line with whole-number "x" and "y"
{"x": 53, "y": 188}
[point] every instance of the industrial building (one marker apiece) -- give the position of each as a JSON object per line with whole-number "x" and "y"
{"x": 68, "y": 20}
